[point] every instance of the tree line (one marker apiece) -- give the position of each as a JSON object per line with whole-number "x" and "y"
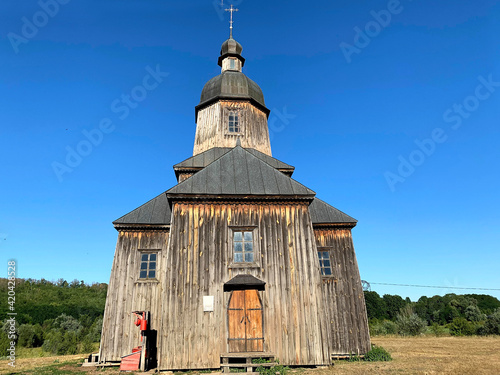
{"x": 458, "y": 315}
{"x": 61, "y": 317}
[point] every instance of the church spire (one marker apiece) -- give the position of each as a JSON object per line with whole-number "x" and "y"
{"x": 232, "y": 10}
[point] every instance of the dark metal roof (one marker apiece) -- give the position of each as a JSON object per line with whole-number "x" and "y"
{"x": 156, "y": 211}
{"x": 209, "y": 156}
{"x": 232, "y": 85}
{"x": 239, "y": 172}
{"x": 244, "y": 282}
{"x": 322, "y": 213}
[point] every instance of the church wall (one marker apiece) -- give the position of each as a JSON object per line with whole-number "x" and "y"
{"x": 211, "y": 130}
{"x": 198, "y": 264}
{"x": 126, "y": 293}
{"x": 345, "y": 312}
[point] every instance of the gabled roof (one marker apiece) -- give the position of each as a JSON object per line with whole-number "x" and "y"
{"x": 240, "y": 172}
{"x": 322, "y": 213}
{"x": 205, "y": 158}
{"x": 156, "y": 211}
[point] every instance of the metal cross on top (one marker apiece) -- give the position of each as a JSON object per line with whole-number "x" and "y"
{"x": 231, "y": 21}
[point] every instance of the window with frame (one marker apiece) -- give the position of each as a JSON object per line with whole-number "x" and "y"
{"x": 148, "y": 266}
{"x": 233, "y": 122}
{"x": 324, "y": 263}
{"x": 243, "y": 247}
{"x": 232, "y": 64}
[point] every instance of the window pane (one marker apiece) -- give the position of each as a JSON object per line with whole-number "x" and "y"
{"x": 144, "y": 257}
{"x": 328, "y": 271}
{"x": 238, "y": 247}
{"x": 249, "y": 257}
{"x": 248, "y": 246}
{"x": 237, "y": 236}
{"x": 231, "y": 119}
{"x": 152, "y": 257}
{"x": 231, "y": 63}
{"x": 151, "y": 274}
{"x": 322, "y": 272}
{"x": 152, "y": 265}
{"x": 248, "y": 236}
{"x": 144, "y": 265}
{"x": 326, "y": 263}
{"x": 238, "y": 257}
{"x": 143, "y": 274}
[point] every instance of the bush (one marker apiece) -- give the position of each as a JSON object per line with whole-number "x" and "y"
{"x": 409, "y": 323}
{"x": 390, "y": 327}
{"x": 439, "y": 330}
{"x": 27, "y": 336}
{"x": 461, "y": 327}
{"x": 377, "y": 353}
{"x": 492, "y": 323}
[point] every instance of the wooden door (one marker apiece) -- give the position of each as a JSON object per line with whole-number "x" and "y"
{"x": 245, "y": 322}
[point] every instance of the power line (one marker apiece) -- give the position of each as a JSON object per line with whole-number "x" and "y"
{"x": 432, "y": 286}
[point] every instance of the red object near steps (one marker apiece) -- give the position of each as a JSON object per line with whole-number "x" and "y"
{"x": 131, "y": 362}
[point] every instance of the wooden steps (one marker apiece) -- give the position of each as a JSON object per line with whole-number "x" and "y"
{"x": 245, "y": 360}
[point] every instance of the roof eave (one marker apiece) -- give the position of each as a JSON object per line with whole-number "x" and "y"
{"x": 217, "y": 98}
{"x": 140, "y": 226}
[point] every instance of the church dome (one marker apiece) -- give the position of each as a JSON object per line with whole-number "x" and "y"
{"x": 231, "y": 48}
{"x": 231, "y": 85}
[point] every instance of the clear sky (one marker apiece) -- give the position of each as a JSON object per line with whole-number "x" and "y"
{"x": 389, "y": 110}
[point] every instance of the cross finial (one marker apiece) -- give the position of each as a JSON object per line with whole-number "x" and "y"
{"x": 231, "y": 21}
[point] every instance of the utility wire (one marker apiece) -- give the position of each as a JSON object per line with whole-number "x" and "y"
{"x": 431, "y": 286}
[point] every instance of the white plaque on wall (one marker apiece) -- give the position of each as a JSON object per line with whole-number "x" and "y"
{"x": 208, "y": 303}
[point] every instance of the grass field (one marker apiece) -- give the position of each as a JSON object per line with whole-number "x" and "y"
{"x": 415, "y": 355}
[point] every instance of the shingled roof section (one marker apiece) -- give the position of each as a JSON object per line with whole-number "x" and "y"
{"x": 239, "y": 172}
{"x": 209, "y": 156}
{"x": 322, "y": 213}
{"x": 156, "y": 211}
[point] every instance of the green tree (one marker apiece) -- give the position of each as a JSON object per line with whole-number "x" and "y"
{"x": 409, "y": 323}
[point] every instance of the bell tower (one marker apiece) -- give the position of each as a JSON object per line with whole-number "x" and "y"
{"x": 231, "y": 107}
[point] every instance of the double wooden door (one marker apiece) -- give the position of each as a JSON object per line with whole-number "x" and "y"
{"x": 245, "y": 322}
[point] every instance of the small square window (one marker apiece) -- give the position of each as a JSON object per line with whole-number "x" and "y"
{"x": 148, "y": 266}
{"x": 243, "y": 247}
{"x": 324, "y": 263}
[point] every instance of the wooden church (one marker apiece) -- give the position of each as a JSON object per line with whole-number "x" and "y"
{"x": 238, "y": 260}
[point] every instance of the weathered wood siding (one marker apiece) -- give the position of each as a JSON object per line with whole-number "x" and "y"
{"x": 198, "y": 264}
{"x": 211, "y": 129}
{"x": 345, "y": 309}
{"x": 127, "y": 294}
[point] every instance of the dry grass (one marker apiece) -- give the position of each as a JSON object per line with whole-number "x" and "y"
{"x": 428, "y": 355}
{"x": 421, "y": 355}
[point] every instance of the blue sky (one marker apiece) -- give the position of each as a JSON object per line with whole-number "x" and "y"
{"x": 389, "y": 110}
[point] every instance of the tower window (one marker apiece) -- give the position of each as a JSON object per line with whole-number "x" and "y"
{"x": 243, "y": 247}
{"x": 148, "y": 266}
{"x": 232, "y": 64}
{"x": 234, "y": 122}
{"x": 324, "y": 263}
